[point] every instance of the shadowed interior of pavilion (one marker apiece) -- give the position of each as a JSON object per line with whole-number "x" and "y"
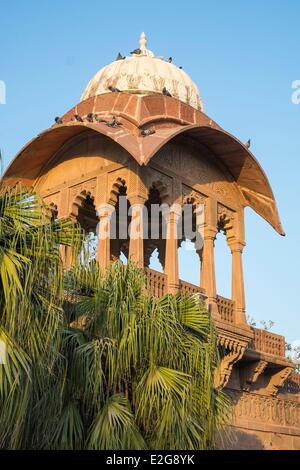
{"x": 118, "y": 245}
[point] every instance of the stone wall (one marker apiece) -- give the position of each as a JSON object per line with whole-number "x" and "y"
{"x": 265, "y": 422}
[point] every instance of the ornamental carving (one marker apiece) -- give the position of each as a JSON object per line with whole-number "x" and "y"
{"x": 265, "y": 409}
{"x": 278, "y": 379}
{"x": 52, "y": 200}
{"x": 233, "y": 352}
{"x": 193, "y": 166}
{"x": 191, "y": 196}
{"x": 117, "y": 176}
{"x": 87, "y": 187}
{"x": 251, "y": 372}
{"x": 225, "y": 218}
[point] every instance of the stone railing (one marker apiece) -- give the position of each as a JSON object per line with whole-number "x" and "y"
{"x": 292, "y": 385}
{"x": 266, "y": 409}
{"x": 226, "y": 309}
{"x": 189, "y": 288}
{"x": 270, "y": 343}
{"x": 156, "y": 282}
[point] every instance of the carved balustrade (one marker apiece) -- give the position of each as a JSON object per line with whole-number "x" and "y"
{"x": 226, "y": 309}
{"x": 189, "y": 288}
{"x": 156, "y": 282}
{"x": 267, "y": 342}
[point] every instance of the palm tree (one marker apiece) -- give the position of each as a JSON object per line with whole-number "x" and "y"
{"x": 140, "y": 369}
{"x": 94, "y": 361}
{"x": 30, "y": 309}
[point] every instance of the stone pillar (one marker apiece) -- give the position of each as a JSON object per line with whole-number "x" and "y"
{"x": 137, "y": 230}
{"x": 105, "y": 213}
{"x": 200, "y": 254}
{"x": 238, "y": 291}
{"x": 208, "y": 276}
{"x": 171, "y": 257}
{"x": 67, "y": 256}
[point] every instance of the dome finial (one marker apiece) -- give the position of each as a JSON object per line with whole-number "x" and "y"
{"x": 143, "y": 42}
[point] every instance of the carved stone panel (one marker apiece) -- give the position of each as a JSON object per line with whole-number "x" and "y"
{"x": 193, "y": 165}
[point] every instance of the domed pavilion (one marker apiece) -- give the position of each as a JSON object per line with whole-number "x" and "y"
{"x": 140, "y": 131}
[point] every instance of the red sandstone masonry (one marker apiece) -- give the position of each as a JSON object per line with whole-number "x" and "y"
{"x": 187, "y": 113}
{"x": 86, "y": 106}
{"x": 155, "y": 105}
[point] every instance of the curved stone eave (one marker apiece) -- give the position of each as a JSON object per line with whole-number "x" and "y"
{"x": 239, "y": 161}
{"x": 29, "y": 162}
{"x": 243, "y": 166}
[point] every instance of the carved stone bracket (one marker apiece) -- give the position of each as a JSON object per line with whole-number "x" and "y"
{"x": 250, "y": 373}
{"x": 278, "y": 379}
{"x": 234, "y": 351}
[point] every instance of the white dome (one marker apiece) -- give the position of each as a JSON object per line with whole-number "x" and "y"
{"x": 144, "y": 73}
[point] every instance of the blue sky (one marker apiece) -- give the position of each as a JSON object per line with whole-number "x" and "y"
{"x": 243, "y": 55}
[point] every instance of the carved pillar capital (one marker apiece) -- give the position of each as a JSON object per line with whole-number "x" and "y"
{"x": 105, "y": 210}
{"x": 210, "y": 233}
{"x": 136, "y": 199}
{"x": 236, "y": 245}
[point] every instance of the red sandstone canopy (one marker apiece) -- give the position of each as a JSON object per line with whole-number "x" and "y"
{"x": 143, "y": 105}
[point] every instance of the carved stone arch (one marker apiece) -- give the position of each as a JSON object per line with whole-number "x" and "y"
{"x": 159, "y": 191}
{"x": 52, "y": 202}
{"x": 79, "y": 192}
{"x": 194, "y": 198}
{"x": 79, "y": 200}
{"x": 83, "y": 209}
{"x": 119, "y": 187}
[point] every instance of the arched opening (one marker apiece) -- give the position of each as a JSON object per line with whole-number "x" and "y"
{"x": 154, "y": 262}
{"x": 189, "y": 264}
{"x": 190, "y": 242}
{"x": 120, "y": 220}
{"x": 222, "y": 261}
{"x": 155, "y": 243}
{"x": 86, "y": 215}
